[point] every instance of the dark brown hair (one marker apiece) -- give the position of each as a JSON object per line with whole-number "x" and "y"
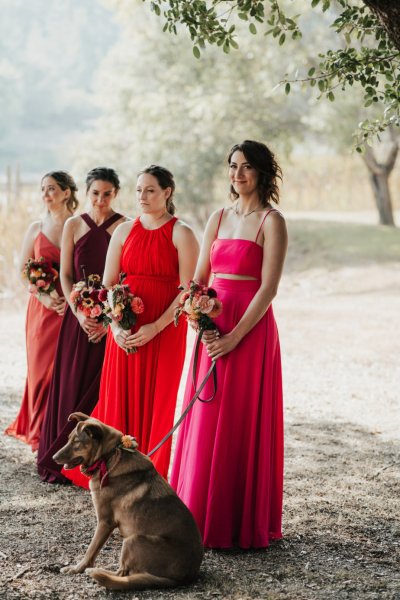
{"x": 66, "y": 182}
{"x": 165, "y": 180}
{"x": 260, "y": 157}
{"x": 102, "y": 174}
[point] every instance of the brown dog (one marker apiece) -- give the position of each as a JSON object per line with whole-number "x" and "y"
{"x": 162, "y": 546}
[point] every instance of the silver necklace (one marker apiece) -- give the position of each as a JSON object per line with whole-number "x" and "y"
{"x": 235, "y": 210}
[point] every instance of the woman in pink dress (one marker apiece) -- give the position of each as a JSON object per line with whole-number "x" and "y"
{"x": 228, "y": 464}
{"x": 44, "y": 314}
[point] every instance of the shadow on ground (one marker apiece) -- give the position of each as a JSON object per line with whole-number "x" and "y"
{"x": 341, "y": 528}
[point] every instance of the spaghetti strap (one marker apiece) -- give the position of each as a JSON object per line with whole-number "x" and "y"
{"x": 262, "y": 222}
{"x": 219, "y": 222}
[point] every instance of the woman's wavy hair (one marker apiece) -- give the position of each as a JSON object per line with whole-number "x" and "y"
{"x": 66, "y": 182}
{"x": 102, "y": 174}
{"x": 165, "y": 180}
{"x": 260, "y": 157}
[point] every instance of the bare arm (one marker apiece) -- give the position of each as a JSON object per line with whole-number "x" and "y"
{"x": 203, "y": 268}
{"x": 113, "y": 259}
{"x": 188, "y": 251}
{"x": 90, "y": 326}
{"x": 275, "y": 246}
{"x": 27, "y": 247}
{"x": 67, "y": 260}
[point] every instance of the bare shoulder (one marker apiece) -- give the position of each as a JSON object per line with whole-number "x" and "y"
{"x": 181, "y": 228}
{"x": 275, "y": 221}
{"x": 123, "y": 229}
{"x": 34, "y": 228}
{"x": 182, "y": 233}
{"x": 73, "y": 222}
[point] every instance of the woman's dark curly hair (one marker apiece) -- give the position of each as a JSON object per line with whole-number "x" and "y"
{"x": 260, "y": 157}
{"x": 66, "y": 182}
{"x": 102, "y": 174}
{"x": 165, "y": 180}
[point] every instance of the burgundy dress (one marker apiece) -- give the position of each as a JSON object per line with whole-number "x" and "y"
{"x": 77, "y": 367}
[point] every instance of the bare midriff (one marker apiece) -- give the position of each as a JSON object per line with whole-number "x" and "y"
{"x": 234, "y": 276}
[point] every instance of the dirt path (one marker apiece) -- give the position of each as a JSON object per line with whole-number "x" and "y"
{"x": 341, "y": 513}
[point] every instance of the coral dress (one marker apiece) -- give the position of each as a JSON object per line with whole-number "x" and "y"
{"x": 42, "y": 329}
{"x": 138, "y": 391}
{"x": 77, "y": 368}
{"x": 228, "y": 465}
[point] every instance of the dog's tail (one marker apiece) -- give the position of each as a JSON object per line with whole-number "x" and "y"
{"x": 137, "y": 581}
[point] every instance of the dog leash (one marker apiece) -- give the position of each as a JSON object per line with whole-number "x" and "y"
{"x": 211, "y": 371}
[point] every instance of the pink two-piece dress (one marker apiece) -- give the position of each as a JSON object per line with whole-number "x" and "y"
{"x": 228, "y": 464}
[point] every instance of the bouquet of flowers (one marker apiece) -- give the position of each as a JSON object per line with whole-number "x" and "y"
{"x": 123, "y": 306}
{"x": 200, "y": 305}
{"x": 42, "y": 276}
{"x": 88, "y": 297}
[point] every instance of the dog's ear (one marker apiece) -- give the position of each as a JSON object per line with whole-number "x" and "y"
{"x": 92, "y": 430}
{"x": 78, "y": 416}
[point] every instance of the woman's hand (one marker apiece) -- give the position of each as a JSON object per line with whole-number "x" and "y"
{"x": 220, "y": 345}
{"x": 120, "y": 336}
{"x": 89, "y": 325}
{"x": 144, "y": 335}
{"x": 96, "y": 335}
{"x": 59, "y": 306}
{"x": 209, "y": 335}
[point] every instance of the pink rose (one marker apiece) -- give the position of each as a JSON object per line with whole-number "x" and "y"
{"x": 95, "y": 312}
{"x": 40, "y": 283}
{"x": 217, "y": 310}
{"x": 190, "y": 309}
{"x": 205, "y": 304}
{"x": 137, "y": 305}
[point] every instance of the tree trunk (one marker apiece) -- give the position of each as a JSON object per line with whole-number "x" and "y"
{"x": 380, "y": 186}
{"x": 388, "y": 12}
{"x": 379, "y": 173}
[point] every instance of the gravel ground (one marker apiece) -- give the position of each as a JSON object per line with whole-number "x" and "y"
{"x": 341, "y": 509}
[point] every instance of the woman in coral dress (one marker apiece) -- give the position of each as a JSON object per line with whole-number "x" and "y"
{"x": 80, "y": 350}
{"x": 44, "y": 313}
{"x": 157, "y": 252}
{"x": 228, "y": 465}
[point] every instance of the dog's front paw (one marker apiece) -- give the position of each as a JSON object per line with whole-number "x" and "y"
{"x": 74, "y": 569}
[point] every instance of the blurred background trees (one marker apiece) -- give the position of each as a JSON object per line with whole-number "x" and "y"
{"x": 100, "y": 82}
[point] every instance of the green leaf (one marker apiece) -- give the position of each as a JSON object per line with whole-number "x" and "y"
{"x": 287, "y": 88}
{"x": 252, "y": 28}
{"x": 196, "y": 52}
{"x": 282, "y": 39}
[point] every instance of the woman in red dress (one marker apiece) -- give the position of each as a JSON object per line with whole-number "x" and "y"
{"x": 157, "y": 252}
{"x": 44, "y": 313}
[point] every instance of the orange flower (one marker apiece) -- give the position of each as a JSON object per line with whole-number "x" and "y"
{"x": 127, "y": 441}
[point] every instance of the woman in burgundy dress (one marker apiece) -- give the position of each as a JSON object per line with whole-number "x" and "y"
{"x": 80, "y": 349}
{"x": 44, "y": 314}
